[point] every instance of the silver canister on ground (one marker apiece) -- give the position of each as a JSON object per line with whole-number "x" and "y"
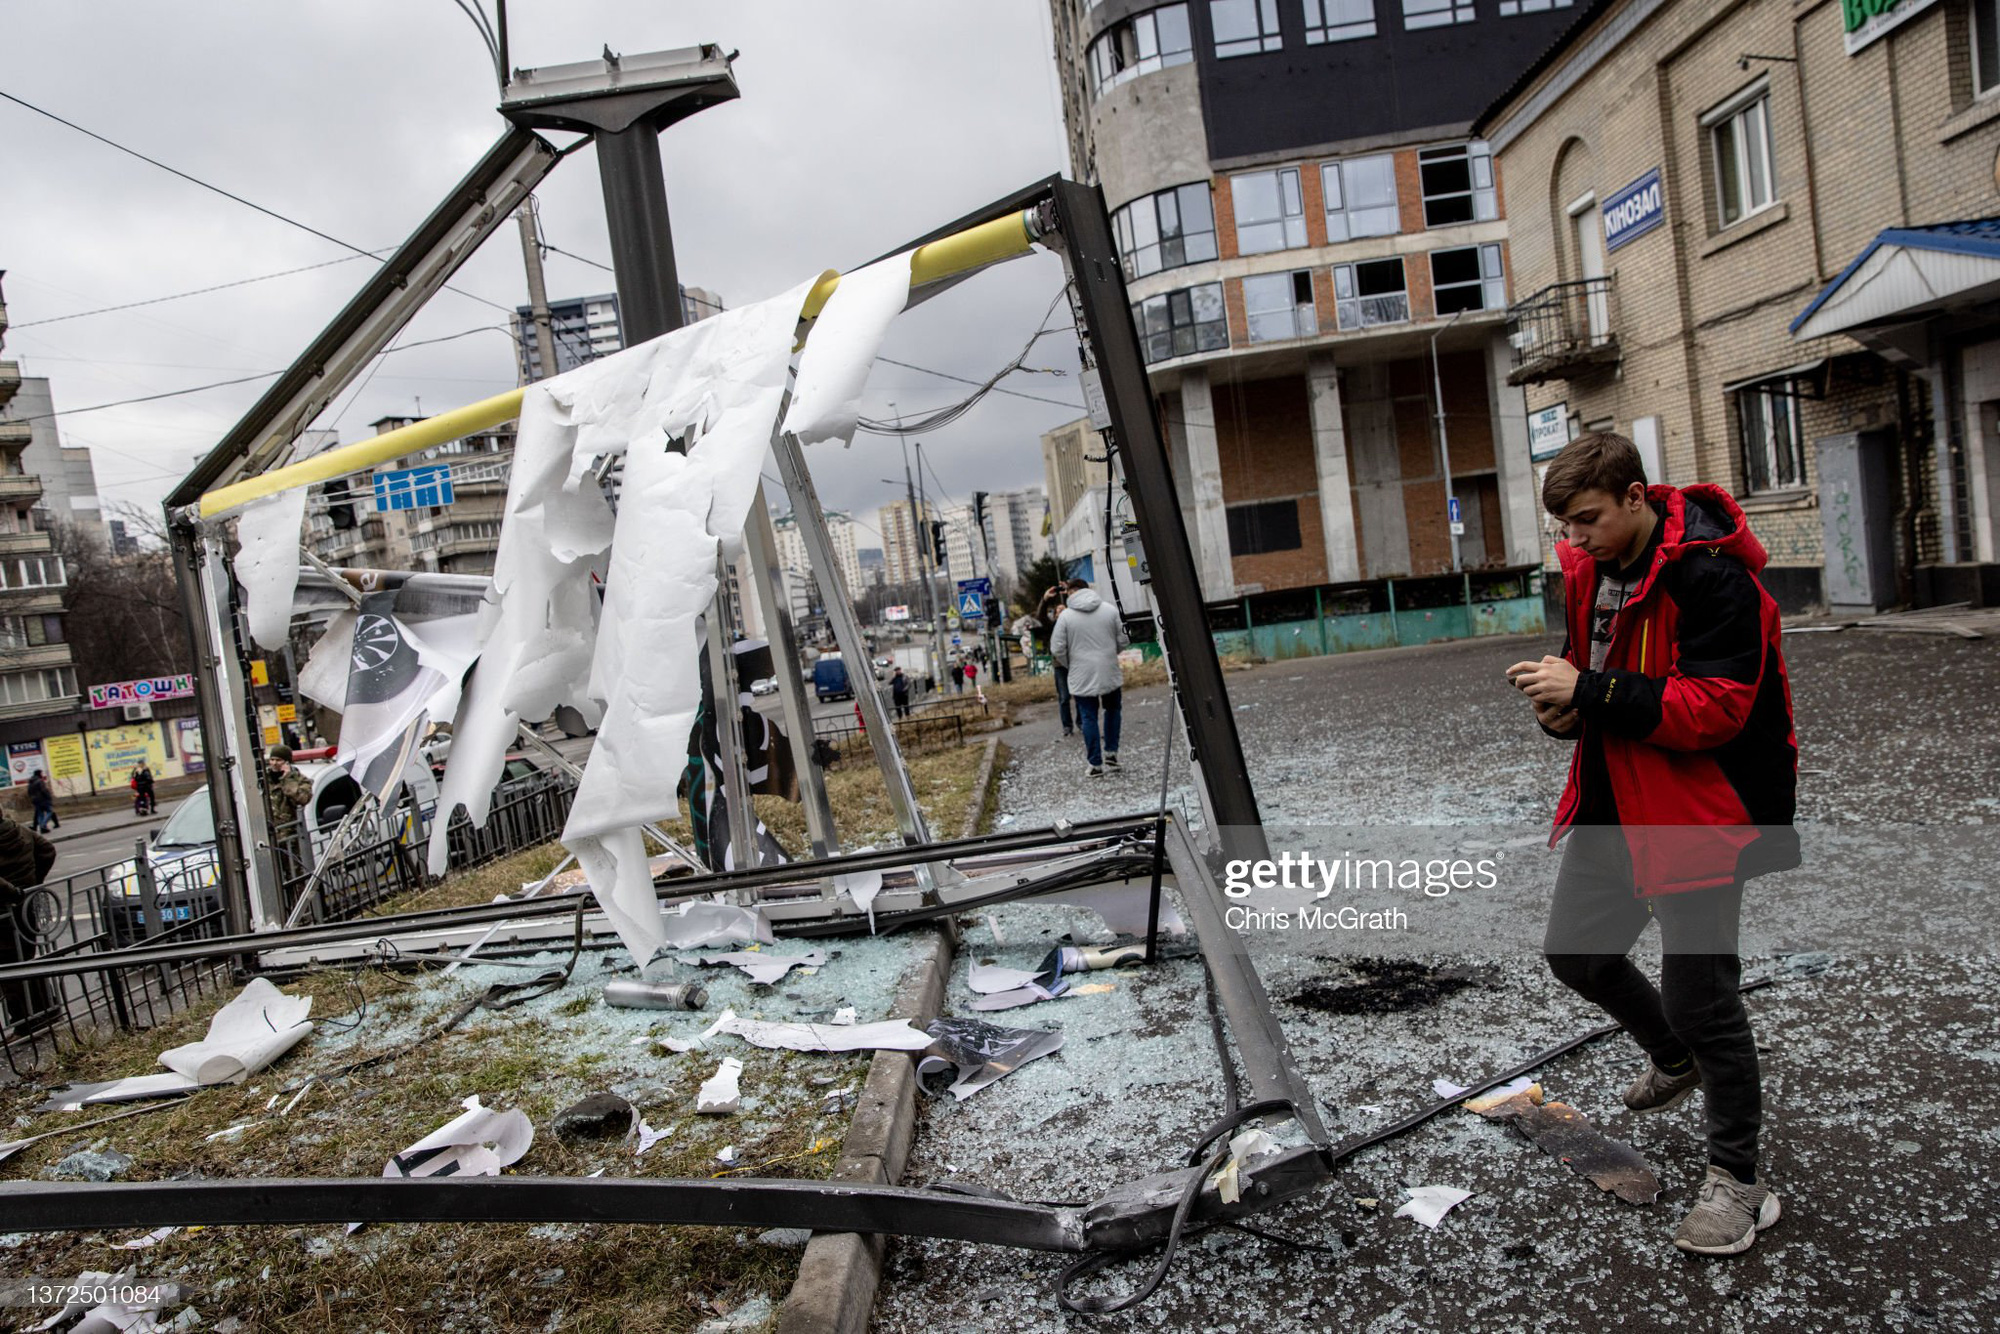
{"x": 634, "y": 995}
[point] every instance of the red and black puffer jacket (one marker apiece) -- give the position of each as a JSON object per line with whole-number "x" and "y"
{"x": 1689, "y": 724}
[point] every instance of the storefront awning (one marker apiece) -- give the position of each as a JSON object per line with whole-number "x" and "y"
{"x": 1907, "y": 274}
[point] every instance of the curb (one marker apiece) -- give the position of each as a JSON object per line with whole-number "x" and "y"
{"x": 840, "y": 1272}
{"x": 151, "y": 821}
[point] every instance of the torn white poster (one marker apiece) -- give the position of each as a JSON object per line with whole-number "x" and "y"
{"x": 269, "y": 533}
{"x": 261, "y": 1024}
{"x": 478, "y": 1142}
{"x": 1429, "y": 1204}
{"x": 990, "y": 979}
{"x": 1124, "y": 908}
{"x": 388, "y": 689}
{"x": 863, "y": 887}
{"x": 720, "y": 1093}
{"x": 982, "y": 1052}
{"x": 841, "y": 348}
{"x": 767, "y": 969}
{"x": 890, "y": 1035}
{"x": 699, "y": 924}
{"x": 648, "y": 1137}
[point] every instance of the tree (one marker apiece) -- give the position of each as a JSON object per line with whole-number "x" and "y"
{"x": 122, "y": 614}
{"x": 1033, "y": 581}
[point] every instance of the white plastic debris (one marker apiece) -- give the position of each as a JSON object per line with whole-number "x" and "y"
{"x": 890, "y": 1035}
{"x": 269, "y": 533}
{"x": 648, "y": 1137}
{"x": 699, "y": 924}
{"x": 478, "y": 1142}
{"x": 153, "y": 1238}
{"x": 726, "y": 1155}
{"x": 764, "y": 968}
{"x": 841, "y": 348}
{"x": 845, "y": 1015}
{"x": 721, "y": 1093}
{"x": 1429, "y": 1204}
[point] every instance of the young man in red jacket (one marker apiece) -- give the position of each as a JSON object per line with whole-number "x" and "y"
{"x": 1681, "y": 788}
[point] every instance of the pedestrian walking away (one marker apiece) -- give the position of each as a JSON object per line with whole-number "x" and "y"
{"x": 1046, "y": 616}
{"x": 1672, "y": 686}
{"x": 1087, "y": 638}
{"x": 143, "y": 800}
{"x": 899, "y": 693}
{"x": 42, "y": 798}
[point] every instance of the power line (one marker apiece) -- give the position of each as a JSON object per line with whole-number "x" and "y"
{"x": 216, "y": 189}
{"x": 198, "y": 291}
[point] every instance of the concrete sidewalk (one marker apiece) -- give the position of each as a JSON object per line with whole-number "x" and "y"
{"x": 100, "y": 822}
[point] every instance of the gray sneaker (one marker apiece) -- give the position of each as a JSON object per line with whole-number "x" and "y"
{"x": 1657, "y": 1092}
{"x": 1093, "y": 771}
{"x": 1727, "y": 1217}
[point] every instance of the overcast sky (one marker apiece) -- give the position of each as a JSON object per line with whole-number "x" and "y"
{"x": 861, "y": 124}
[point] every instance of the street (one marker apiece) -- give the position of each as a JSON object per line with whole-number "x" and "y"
{"x": 1876, "y": 1039}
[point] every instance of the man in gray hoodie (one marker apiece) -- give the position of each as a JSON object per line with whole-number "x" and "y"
{"x": 1086, "y": 641}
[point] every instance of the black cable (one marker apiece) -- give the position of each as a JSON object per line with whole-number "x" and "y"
{"x": 216, "y": 189}
{"x": 198, "y": 291}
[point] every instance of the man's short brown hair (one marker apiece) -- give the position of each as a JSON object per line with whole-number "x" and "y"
{"x": 1594, "y": 461}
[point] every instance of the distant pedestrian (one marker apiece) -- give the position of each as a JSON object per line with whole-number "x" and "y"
{"x": 972, "y": 676}
{"x": 143, "y": 800}
{"x": 957, "y": 678}
{"x": 1087, "y": 638}
{"x": 1045, "y": 625}
{"x": 43, "y": 798}
{"x": 899, "y": 693}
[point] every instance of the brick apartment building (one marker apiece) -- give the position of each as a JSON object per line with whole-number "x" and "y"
{"x": 1305, "y": 218}
{"x": 1762, "y": 240}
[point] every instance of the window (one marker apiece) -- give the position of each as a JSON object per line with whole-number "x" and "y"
{"x": 1165, "y": 230}
{"x": 1740, "y": 136}
{"x": 1458, "y": 184}
{"x": 1985, "y": 46}
{"x": 1244, "y": 27}
{"x": 1768, "y": 422}
{"x": 1271, "y": 525}
{"x": 1279, "y": 306}
{"x": 1435, "y": 13}
{"x": 1360, "y": 197}
{"x": 1182, "y": 323}
{"x": 1370, "y": 293}
{"x": 1270, "y": 211}
{"x": 1338, "y": 20}
{"x": 1509, "y": 8}
{"x": 34, "y": 687}
{"x": 1467, "y": 279}
{"x": 32, "y": 572}
{"x": 1139, "y": 45}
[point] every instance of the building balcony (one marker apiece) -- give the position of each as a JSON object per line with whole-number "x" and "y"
{"x": 1562, "y": 331}
{"x": 16, "y": 434}
{"x": 28, "y": 658}
{"x": 10, "y": 379}
{"x": 25, "y": 544}
{"x": 18, "y": 485}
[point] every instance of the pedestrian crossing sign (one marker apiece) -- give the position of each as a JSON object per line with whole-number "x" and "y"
{"x": 971, "y": 604}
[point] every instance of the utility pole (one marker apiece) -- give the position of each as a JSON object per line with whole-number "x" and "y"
{"x": 1444, "y": 442}
{"x": 920, "y": 535}
{"x": 538, "y": 295}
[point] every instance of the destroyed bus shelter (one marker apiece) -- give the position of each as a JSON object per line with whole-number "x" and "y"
{"x": 254, "y": 473}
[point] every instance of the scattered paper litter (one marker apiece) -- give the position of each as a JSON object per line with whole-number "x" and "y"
{"x": 1032, "y": 994}
{"x": 982, "y": 1052}
{"x": 726, "y": 1155}
{"x": 764, "y": 968}
{"x": 845, "y": 1015}
{"x": 863, "y": 887}
{"x": 990, "y": 979}
{"x": 1124, "y": 908}
{"x": 1429, "y": 1204}
{"x": 1446, "y": 1089}
{"x": 648, "y": 1137}
{"x": 701, "y": 924}
{"x": 153, "y": 1238}
{"x": 890, "y": 1035}
{"x": 721, "y": 1094}
{"x": 231, "y": 1132}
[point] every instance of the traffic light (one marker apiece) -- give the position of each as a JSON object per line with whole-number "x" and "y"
{"x": 937, "y": 539}
{"x": 979, "y": 513}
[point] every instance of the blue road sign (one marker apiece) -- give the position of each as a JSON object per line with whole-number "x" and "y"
{"x": 413, "y": 488}
{"x": 1452, "y": 509}
{"x": 971, "y": 604}
{"x": 982, "y": 585}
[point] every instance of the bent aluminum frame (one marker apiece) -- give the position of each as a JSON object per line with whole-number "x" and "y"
{"x": 1070, "y": 219}
{"x": 1126, "y": 1218}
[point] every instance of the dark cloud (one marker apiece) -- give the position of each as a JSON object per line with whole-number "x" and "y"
{"x": 861, "y": 125}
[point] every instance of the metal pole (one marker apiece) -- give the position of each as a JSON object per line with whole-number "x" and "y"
{"x": 762, "y": 545}
{"x": 642, "y": 238}
{"x": 538, "y": 296}
{"x": 1106, "y": 320}
{"x": 920, "y": 566}
{"x": 1444, "y": 442}
{"x": 727, "y": 700}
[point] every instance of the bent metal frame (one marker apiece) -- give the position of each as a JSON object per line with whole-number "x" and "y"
{"x": 931, "y": 880}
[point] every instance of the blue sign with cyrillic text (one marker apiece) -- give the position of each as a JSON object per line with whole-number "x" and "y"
{"x": 1635, "y": 210}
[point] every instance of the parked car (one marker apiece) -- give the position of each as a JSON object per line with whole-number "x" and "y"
{"x": 883, "y": 666}
{"x": 765, "y": 685}
{"x": 830, "y": 679}
{"x": 182, "y": 855}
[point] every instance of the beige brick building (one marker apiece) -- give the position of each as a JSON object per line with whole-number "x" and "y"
{"x": 1689, "y": 186}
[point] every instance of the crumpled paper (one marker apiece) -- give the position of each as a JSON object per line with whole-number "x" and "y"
{"x": 261, "y": 1024}
{"x": 1429, "y": 1204}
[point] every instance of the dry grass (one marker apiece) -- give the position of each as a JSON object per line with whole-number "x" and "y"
{"x": 498, "y": 1277}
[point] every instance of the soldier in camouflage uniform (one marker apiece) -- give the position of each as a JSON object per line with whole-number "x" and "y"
{"x": 291, "y": 794}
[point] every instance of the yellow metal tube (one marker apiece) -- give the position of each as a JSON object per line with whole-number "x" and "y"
{"x": 962, "y": 252}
